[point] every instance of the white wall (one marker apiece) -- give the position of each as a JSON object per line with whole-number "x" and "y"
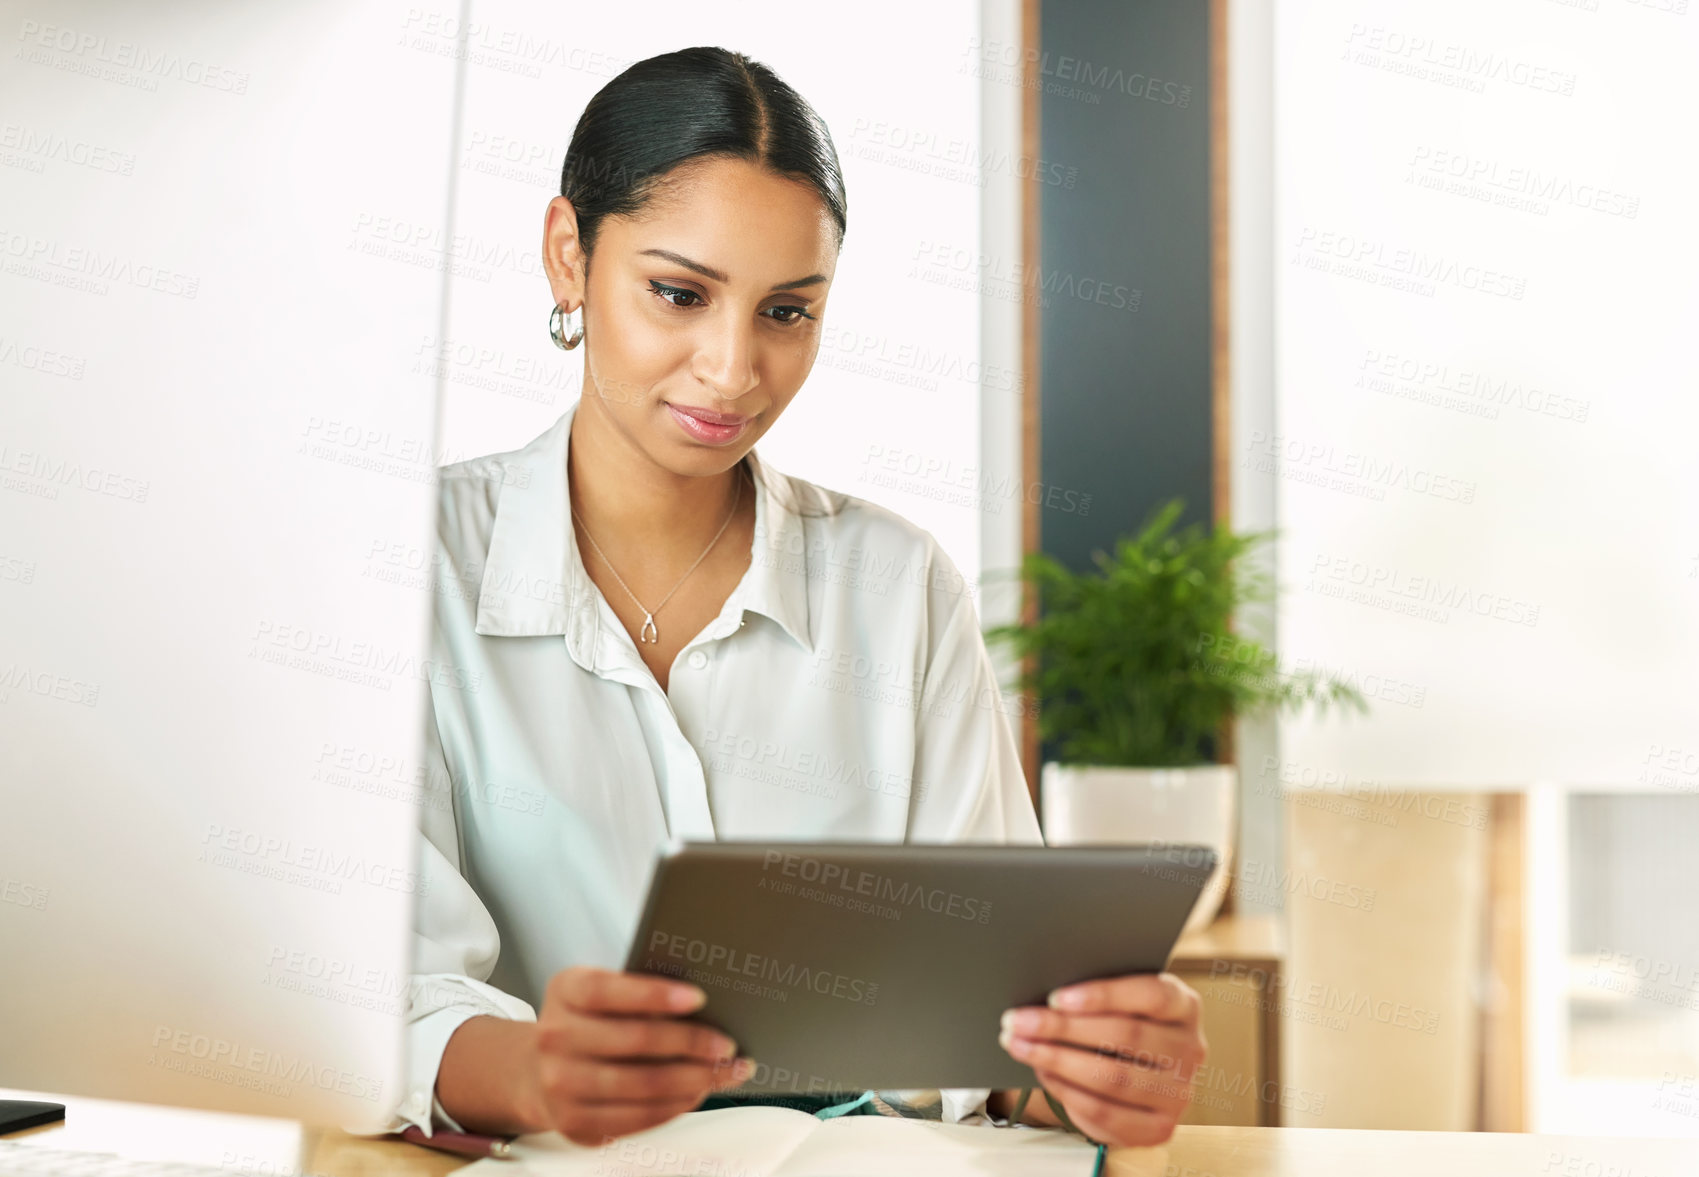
{"x": 1484, "y": 258}
{"x": 1250, "y": 120}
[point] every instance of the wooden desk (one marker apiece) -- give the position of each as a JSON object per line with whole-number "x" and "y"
{"x": 1199, "y": 1151}
{"x": 1195, "y": 1151}
{"x": 1340, "y": 1152}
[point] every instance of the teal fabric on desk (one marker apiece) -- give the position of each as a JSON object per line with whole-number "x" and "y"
{"x": 826, "y": 1106}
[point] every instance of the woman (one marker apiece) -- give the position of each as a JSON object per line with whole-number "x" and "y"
{"x": 654, "y": 634}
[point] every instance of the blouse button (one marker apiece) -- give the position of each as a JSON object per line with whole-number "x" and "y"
{"x": 698, "y": 659}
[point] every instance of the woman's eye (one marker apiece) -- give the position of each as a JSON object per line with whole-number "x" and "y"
{"x": 671, "y": 293}
{"x": 677, "y": 296}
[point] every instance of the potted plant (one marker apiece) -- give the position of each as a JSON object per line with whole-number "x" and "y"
{"x": 1137, "y": 672}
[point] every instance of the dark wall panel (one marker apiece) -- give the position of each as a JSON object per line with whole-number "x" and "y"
{"x": 1125, "y": 264}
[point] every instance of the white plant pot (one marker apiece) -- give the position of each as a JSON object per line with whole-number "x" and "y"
{"x": 1086, "y": 804}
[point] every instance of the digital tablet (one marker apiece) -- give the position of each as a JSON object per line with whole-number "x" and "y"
{"x": 847, "y": 966}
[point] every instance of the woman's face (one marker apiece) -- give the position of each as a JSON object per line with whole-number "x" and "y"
{"x": 702, "y": 316}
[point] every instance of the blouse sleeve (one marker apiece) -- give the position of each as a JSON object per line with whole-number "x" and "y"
{"x": 968, "y": 784}
{"x": 455, "y": 944}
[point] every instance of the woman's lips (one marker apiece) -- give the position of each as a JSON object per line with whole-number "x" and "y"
{"x": 704, "y": 426}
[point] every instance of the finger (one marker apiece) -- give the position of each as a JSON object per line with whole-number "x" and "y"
{"x": 1162, "y": 997}
{"x": 732, "y": 1072}
{"x": 599, "y": 1081}
{"x": 606, "y": 991}
{"x": 1156, "y": 1045}
{"x": 633, "y": 1037}
{"x": 596, "y": 1126}
{"x": 1119, "y": 1082}
{"x": 1107, "y": 1121}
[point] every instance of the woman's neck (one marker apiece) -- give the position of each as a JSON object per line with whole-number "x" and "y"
{"x": 648, "y": 520}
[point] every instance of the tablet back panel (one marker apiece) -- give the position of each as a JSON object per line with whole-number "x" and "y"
{"x": 842, "y": 966}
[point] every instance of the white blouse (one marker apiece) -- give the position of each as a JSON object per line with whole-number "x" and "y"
{"x": 843, "y": 692}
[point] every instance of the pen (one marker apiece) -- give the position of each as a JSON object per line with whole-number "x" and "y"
{"x": 463, "y": 1144}
{"x": 1097, "y": 1165}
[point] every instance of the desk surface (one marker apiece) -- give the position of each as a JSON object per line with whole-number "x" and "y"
{"x": 1194, "y": 1151}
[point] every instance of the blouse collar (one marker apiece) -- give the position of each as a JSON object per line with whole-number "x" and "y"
{"x": 534, "y": 582}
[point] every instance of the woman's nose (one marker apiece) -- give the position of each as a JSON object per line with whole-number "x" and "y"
{"x": 725, "y": 360}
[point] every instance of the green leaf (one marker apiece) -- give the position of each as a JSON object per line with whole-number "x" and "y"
{"x": 1136, "y": 663}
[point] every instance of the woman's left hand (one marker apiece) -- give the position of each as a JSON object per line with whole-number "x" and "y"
{"x": 1118, "y": 1054}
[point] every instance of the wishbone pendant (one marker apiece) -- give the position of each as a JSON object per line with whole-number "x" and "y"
{"x": 648, "y": 633}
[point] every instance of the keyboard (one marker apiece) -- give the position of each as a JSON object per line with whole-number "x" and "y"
{"x": 17, "y": 1160}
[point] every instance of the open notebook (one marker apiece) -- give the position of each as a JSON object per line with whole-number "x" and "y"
{"x": 780, "y": 1142}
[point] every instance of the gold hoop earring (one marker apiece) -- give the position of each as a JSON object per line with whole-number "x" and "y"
{"x": 560, "y": 318}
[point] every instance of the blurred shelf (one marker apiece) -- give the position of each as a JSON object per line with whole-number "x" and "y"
{"x": 1235, "y": 964}
{"x": 1251, "y": 939}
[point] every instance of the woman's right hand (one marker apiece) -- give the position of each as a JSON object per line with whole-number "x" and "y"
{"x": 610, "y": 1055}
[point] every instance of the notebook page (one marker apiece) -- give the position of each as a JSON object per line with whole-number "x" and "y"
{"x": 727, "y": 1142}
{"x": 884, "y": 1146}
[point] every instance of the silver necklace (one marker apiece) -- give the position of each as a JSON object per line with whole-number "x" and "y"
{"x": 649, "y": 632}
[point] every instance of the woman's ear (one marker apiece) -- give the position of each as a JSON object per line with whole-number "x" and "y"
{"x": 563, "y": 253}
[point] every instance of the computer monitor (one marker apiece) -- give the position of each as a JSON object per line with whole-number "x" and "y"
{"x": 224, "y": 238}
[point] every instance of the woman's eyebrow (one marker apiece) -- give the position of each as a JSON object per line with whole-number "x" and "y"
{"x": 710, "y": 272}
